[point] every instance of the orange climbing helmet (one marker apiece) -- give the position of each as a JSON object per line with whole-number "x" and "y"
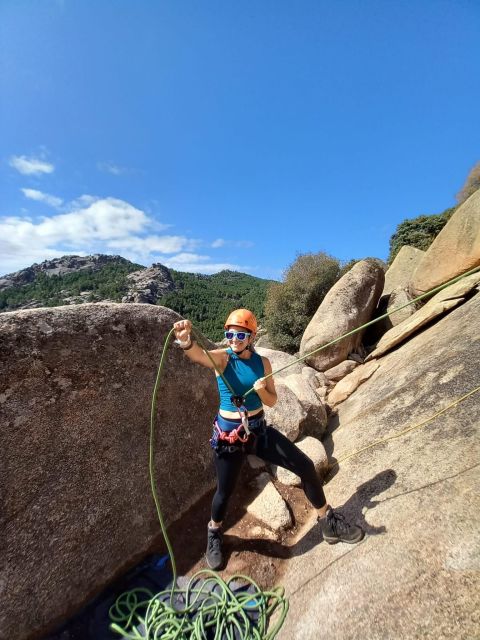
{"x": 242, "y": 318}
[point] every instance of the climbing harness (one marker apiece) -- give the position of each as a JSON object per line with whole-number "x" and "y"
{"x": 239, "y": 402}
{"x": 208, "y": 603}
{"x": 233, "y": 436}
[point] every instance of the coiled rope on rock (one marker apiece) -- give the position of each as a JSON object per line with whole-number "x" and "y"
{"x": 209, "y": 607}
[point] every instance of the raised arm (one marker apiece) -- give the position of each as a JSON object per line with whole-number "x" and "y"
{"x": 194, "y": 351}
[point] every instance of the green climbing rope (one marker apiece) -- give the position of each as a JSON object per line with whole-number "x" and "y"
{"x": 208, "y": 604}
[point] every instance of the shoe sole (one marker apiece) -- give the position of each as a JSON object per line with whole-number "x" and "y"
{"x": 213, "y": 567}
{"x": 335, "y": 540}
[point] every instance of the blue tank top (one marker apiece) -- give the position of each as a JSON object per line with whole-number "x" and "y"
{"x": 241, "y": 374}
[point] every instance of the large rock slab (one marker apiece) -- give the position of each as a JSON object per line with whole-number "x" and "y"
{"x": 269, "y": 507}
{"x": 400, "y": 297}
{"x": 351, "y": 382}
{"x": 280, "y": 359}
{"x": 454, "y": 251}
{"x": 75, "y": 395}
{"x": 147, "y": 285}
{"x": 416, "y": 496}
{"x": 441, "y": 302}
{"x": 264, "y": 341}
{"x": 315, "y": 419}
{"x": 288, "y": 415}
{"x": 314, "y": 449}
{"x": 349, "y": 304}
{"x": 339, "y": 371}
{"x": 310, "y": 376}
{"x": 400, "y": 272}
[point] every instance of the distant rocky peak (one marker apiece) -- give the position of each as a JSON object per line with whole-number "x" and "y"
{"x": 69, "y": 264}
{"x": 59, "y": 267}
{"x": 147, "y": 285}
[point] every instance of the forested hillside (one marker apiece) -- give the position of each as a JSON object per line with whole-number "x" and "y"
{"x": 207, "y": 300}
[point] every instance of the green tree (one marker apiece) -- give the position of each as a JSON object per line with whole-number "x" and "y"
{"x": 418, "y": 232}
{"x": 291, "y": 304}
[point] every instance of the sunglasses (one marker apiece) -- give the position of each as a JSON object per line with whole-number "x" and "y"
{"x": 240, "y": 335}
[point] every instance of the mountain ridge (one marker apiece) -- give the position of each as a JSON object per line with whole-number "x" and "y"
{"x": 73, "y": 279}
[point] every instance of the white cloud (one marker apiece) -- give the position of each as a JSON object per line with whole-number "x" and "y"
{"x": 33, "y": 194}
{"x": 98, "y": 225}
{"x": 82, "y": 201}
{"x": 31, "y": 166}
{"x": 188, "y": 258}
{"x": 241, "y": 244}
{"x": 102, "y": 220}
{"x": 197, "y": 263}
{"x": 15, "y": 256}
{"x": 113, "y": 169}
{"x": 150, "y": 244}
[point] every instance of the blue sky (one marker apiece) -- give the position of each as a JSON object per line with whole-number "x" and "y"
{"x": 219, "y": 134}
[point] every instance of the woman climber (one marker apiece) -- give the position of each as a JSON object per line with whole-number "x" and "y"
{"x": 240, "y": 428}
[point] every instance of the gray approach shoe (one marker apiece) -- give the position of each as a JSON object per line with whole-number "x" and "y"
{"x": 214, "y": 555}
{"x": 335, "y": 528}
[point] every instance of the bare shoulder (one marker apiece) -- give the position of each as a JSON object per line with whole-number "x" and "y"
{"x": 266, "y": 364}
{"x": 220, "y": 356}
{"x": 219, "y": 351}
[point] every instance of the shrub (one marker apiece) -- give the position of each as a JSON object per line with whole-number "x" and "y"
{"x": 291, "y": 304}
{"x": 418, "y": 232}
{"x": 472, "y": 183}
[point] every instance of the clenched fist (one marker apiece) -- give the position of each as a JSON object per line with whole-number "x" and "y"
{"x": 260, "y": 384}
{"x": 183, "y": 329}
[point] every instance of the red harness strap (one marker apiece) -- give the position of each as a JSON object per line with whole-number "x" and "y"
{"x": 231, "y": 436}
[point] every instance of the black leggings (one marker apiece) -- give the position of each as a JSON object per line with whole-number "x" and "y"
{"x": 273, "y": 447}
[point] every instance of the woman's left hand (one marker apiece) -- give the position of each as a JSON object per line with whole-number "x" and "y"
{"x": 260, "y": 384}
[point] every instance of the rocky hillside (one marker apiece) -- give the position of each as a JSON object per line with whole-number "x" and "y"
{"x": 66, "y": 280}
{"x": 102, "y": 278}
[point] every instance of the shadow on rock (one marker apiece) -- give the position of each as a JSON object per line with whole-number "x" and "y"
{"x": 261, "y": 546}
{"x": 352, "y": 510}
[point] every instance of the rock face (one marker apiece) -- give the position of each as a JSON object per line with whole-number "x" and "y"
{"x": 416, "y": 496}
{"x": 75, "y": 395}
{"x": 440, "y": 303}
{"x": 288, "y": 415}
{"x": 401, "y": 270}
{"x": 269, "y": 507}
{"x": 397, "y": 299}
{"x": 279, "y": 359}
{"x": 315, "y": 420}
{"x": 310, "y": 376}
{"x": 263, "y": 341}
{"x": 349, "y": 304}
{"x": 147, "y": 285}
{"x": 339, "y": 371}
{"x": 454, "y": 251}
{"x": 350, "y": 383}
